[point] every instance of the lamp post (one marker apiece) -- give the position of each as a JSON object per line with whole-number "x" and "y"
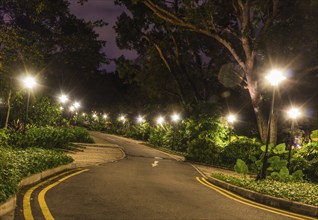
{"x": 140, "y": 119}
{"x": 175, "y": 117}
{"x": 293, "y": 114}
{"x": 63, "y": 99}
{"x": 231, "y": 119}
{"x": 29, "y": 82}
{"x": 274, "y": 78}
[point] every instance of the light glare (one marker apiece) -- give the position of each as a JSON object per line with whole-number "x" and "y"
{"x": 293, "y": 113}
{"x": 275, "y": 77}
{"x": 140, "y": 119}
{"x": 63, "y": 99}
{"x": 175, "y": 117}
{"x": 160, "y": 120}
{"x": 231, "y": 118}
{"x": 29, "y": 82}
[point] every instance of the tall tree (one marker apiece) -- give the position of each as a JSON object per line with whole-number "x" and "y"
{"x": 241, "y": 27}
{"x": 169, "y": 57}
{"x": 43, "y": 36}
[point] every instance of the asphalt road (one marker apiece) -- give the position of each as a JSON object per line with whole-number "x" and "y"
{"x": 147, "y": 184}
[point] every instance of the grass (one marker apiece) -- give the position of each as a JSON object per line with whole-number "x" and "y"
{"x": 304, "y": 192}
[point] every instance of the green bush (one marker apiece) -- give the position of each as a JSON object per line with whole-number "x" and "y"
{"x": 306, "y": 159}
{"x": 15, "y": 164}
{"x": 243, "y": 148}
{"x": 4, "y": 137}
{"x": 157, "y": 136}
{"x": 206, "y": 137}
{"x": 49, "y": 137}
{"x": 45, "y": 113}
{"x": 298, "y": 191}
{"x": 140, "y": 131}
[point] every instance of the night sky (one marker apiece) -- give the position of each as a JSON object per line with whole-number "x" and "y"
{"x": 107, "y": 11}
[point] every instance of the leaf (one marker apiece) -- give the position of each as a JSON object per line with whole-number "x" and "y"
{"x": 280, "y": 149}
{"x": 241, "y": 167}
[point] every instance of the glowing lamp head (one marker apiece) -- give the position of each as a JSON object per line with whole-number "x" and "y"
{"x": 29, "y": 82}
{"x": 160, "y": 120}
{"x": 83, "y": 114}
{"x": 275, "y": 77}
{"x": 175, "y": 117}
{"x": 140, "y": 119}
{"x": 63, "y": 99}
{"x": 94, "y": 115}
{"x": 293, "y": 113}
{"x": 231, "y": 118}
{"x": 76, "y": 105}
{"x": 122, "y": 118}
{"x": 105, "y": 116}
{"x": 72, "y": 108}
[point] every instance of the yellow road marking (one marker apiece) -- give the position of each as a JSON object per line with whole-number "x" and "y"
{"x": 27, "y": 211}
{"x": 251, "y": 203}
{"x": 41, "y": 197}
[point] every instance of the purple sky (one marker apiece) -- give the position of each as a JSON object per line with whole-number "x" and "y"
{"x": 106, "y": 10}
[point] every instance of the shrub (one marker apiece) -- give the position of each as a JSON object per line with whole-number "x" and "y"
{"x": 243, "y": 148}
{"x": 206, "y": 136}
{"x": 15, "y": 164}
{"x": 49, "y": 137}
{"x": 157, "y": 136}
{"x": 299, "y": 191}
{"x": 306, "y": 159}
{"x": 4, "y": 137}
{"x": 45, "y": 113}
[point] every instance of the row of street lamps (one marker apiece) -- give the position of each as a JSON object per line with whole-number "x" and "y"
{"x": 275, "y": 78}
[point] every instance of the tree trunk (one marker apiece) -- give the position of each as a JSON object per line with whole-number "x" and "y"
{"x": 258, "y": 106}
{"x": 8, "y": 109}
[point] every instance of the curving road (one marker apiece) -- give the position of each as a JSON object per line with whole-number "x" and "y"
{"x": 147, "y": 184}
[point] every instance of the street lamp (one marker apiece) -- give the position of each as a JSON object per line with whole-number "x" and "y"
{"x": 140, "y": 119}
{"x": 160, "y": 120}
{"x": 122, "y": 118}
{"x": 231, "y": 119}
{"x": 274, "y": 78}
{"x": 29, "y": 82}
{"x": 293, "y": 113}
{"x": 175, "y": 117}
{"x": 63, "y": 99}
{"x": 76, "y": 105}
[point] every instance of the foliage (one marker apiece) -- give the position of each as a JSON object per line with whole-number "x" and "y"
{"x": 4, "y": 137}
{"x": 241, "y": 167}
{"x": 298, "y": 191}
{"x": 306, "y": 159}
{"x": 206, "y": 138}
{"x": 45, "y": 113}
{"x": 314, "y": 135}
{"x": 241, "y": 147}
{"x": 140, "y": 131}
{"x": 15, "y": 164}
{"x": 157, "y": 135}
{"x": 48, "y": 137}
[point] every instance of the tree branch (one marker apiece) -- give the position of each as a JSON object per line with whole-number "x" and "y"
{"x": 171, "y": 18}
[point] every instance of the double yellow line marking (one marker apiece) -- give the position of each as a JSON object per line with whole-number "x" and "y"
{"x": 242, "y": 200}
{"x": 27, "y": 211}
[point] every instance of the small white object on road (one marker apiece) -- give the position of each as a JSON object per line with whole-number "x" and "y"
{"x": 155, "y": 163}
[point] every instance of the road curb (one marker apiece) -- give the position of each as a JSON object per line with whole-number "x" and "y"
{"x": 9, "y": 205}
{"x": 288, "y": 205}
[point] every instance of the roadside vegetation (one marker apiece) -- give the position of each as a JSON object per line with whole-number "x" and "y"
{"x": 41, "y": 145}
{"x": 299, "y": 191}
{"x": 208, "y": 139}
